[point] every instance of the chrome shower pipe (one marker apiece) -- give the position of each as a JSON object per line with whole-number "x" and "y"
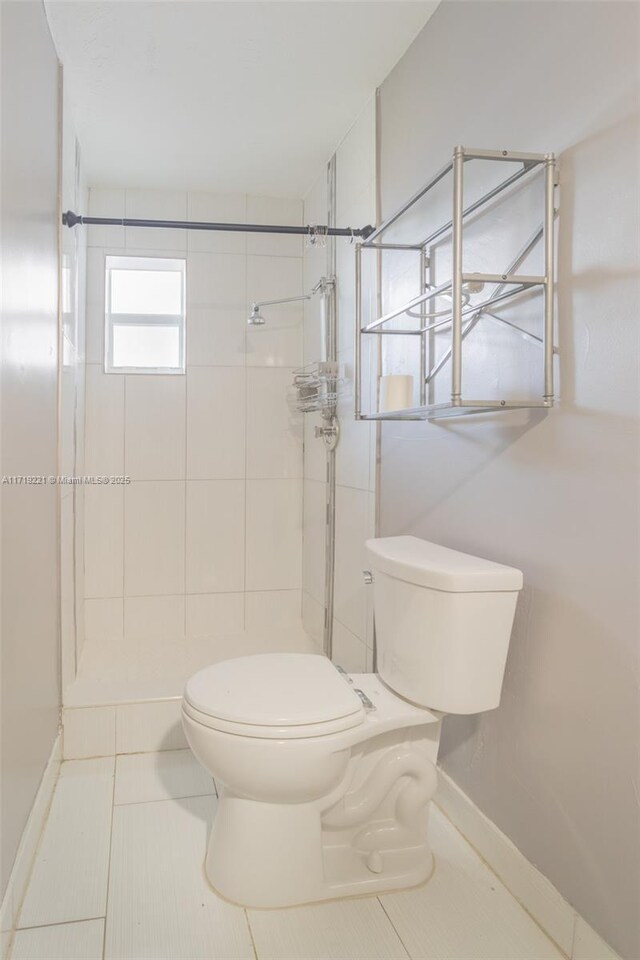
{"x": 269, "y": 303}
{"x": 319, "y": 288}
{"x": 549, "y": 258}
{"x": 456, "y": 286}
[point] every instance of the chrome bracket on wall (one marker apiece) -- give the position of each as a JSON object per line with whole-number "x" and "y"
{"x": 329, "y": 432}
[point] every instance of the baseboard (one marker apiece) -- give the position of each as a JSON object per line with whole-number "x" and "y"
{"x": 17, "y": 885}
{"x": 538, "y": 896}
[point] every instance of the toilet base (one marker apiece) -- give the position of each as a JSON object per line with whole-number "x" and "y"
{"x": 264, "y": 855}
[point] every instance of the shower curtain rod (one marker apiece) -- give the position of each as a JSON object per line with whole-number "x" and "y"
{"x": 71, "y": 219}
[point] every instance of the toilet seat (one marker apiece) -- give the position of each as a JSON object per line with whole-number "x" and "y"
{"x": 273, "y": 696}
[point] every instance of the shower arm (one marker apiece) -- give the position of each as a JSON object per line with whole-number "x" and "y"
{"x": 320, "y": 287}
{"x": 269, "y": 303}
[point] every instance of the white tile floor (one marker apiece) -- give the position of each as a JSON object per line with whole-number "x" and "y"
{"x": 119, "y": 875}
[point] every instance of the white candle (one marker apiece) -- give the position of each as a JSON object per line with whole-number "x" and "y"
{"x": 396, "y": 392}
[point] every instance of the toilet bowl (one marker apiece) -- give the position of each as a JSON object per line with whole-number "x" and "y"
{"x": 325, "y": 779}
{"x": 284, "y": 832}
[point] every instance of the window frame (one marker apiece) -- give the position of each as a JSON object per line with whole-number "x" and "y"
{"x": 149, "y": 263}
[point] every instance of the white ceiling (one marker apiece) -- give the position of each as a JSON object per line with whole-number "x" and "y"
{"x": 225, "y": 96}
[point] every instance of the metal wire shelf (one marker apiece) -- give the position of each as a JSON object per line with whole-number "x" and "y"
{"x": 463, "y": 314}
{"x": 316, "y": 387}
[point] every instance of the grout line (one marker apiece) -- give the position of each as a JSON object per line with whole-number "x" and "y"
{"x": 106, "y": 904}
{"x": 253, "y": 942}
{"x": 58, "y": 923}
{"x": 393, "y": 926}
{"x": 190, "y": 796}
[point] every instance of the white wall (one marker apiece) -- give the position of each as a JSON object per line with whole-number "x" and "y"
{"x": 72, "y": 383}
{"x": 207, "y": 537}
{"x": 554, "y": 494}
{"x": 355, "y": 454}
{"x": 29, "y": 367}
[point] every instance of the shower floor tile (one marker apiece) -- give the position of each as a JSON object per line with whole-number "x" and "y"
{"x": 160, "y": 907}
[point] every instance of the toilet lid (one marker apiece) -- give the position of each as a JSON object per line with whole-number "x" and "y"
{"x": 274, "y": 690}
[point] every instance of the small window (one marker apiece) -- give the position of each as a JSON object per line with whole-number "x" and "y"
{"x": 144, "y": 315}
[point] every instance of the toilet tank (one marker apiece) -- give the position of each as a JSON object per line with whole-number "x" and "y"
{"x": 443, "y": 623}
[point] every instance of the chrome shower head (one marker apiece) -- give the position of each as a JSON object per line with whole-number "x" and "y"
{"x": 255, "y": 318}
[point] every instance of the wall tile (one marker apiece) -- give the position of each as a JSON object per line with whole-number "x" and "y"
{"x": 103, "y": 545}
{"x": 154, "y": 538}
{"x": 353, "y": 527}
{"x": 315, "y": 452}
{"x": 216, "y": 336}
{"x": 274, "y": 427}
{"x": 106, "y": 202}
{"x": 94, "y": 345}
{"x": 212, "y": 614}
{"x": 348, "y": 651}
{"x": 217, "y": 208}
{"x": 89, "y": 732}
{"x": 79, "y": 534}
{"x": 145, "y": 727}
{"x": 275, "y": 210}
{"x": 68, "y": 408}
{"x": 274, "y": 534}
{"x": 162, "y": 429}
{"x": 216, "y": 401}
{"x": 104, "y": 422}
{"x": 154, "y": 618}
{"x": 155, "y": 427}
{"x": 155, "y": 205}
{"x": 313, "y": 548}
{"x": 353, "y": 451}
{"x": 215, "y": 536}
{"x": 313, "y": 617}
{"x": 272, "y": 609}
{"x": 104, "y": 619}
{"x": 216, "y": 280}
{"x": 67, "y": 589}
{"x": 279, "y": 342}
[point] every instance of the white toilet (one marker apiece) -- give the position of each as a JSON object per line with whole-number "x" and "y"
{"x": 325, "y": 779}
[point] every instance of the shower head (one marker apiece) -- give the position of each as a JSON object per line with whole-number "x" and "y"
{"x": 255, "y": 318}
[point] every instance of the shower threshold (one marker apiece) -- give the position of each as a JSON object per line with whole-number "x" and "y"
{"x": 117, "y": 671}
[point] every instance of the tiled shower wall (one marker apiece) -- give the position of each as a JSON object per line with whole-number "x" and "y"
{"x": 355, "y": 454}
{"x": 207, "y": 536}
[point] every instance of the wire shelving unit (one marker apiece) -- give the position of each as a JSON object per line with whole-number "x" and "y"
{"x": 462, "y": 313}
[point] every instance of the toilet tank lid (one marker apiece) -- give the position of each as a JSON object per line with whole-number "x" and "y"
{"x": 430, "y": 565}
